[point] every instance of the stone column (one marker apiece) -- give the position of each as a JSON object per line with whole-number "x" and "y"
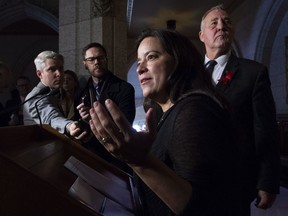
{"x": 85, "y": 21}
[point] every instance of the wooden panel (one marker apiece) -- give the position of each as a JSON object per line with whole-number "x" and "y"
{"x": 34, "y": 180}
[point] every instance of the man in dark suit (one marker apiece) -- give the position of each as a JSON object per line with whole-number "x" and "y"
{"x": 102, "y": 85}
{"x": 246, "y": 85}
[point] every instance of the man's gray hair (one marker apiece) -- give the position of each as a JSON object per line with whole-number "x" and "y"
{"x": 43, "y": 56}
{"x": 217, "y": 7}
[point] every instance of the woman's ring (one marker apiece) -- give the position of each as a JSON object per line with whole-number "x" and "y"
{"x": 106, "y": 139}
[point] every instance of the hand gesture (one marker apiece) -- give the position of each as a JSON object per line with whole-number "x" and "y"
{"x": 265, "y": 200}
{"x": 118, "y": 136}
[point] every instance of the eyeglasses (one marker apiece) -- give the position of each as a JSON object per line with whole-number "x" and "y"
{"x": 91, "y": 60}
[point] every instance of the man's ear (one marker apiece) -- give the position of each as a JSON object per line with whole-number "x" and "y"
{"x": 39, "y": 74}
{"x": 201, "y": 36}
{"x": 85, "y": 65}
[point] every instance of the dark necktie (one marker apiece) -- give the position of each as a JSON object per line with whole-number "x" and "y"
{"x": 210, "y": 66}
{"x": 97, "y": 91}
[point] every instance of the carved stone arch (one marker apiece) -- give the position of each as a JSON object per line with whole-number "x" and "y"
{"x": 267, "y": 37}
{"x": 30, "y": 53}
{"x": 15, "y": 13}
{"x": 269, "y": 30}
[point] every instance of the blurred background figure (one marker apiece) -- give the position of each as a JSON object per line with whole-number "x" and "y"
{"x": 4, "y": 76}
{"x": 23, "y": 87}
{"x": 70, "y": 90}
{"x": 4, "y": 81}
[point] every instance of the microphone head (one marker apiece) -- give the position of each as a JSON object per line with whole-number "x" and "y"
{"x": 44, "y": 90}
{"x": 54, "y": 92}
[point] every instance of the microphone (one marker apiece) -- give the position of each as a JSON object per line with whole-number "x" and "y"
{"x": 51, "y": 93}
{"x": 43, "y": 91}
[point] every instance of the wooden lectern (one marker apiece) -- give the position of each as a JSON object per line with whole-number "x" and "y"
{"x": 35, "y": 177}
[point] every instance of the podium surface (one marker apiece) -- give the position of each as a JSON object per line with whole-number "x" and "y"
{"x": 46, "y": 173}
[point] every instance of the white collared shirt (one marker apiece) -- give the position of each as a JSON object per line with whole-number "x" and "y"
{"x": 219, "y": 67}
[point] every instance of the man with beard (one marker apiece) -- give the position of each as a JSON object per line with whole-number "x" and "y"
{"x": 246, "y": 85}
{"x": 102, "y": 85}
{"x": 49, "y": 69}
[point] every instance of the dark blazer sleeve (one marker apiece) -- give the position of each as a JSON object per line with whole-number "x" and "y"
{"x": 265, "y": 130}
{"x": 126, "y": 101}
{"x": 116, "y": 89}
{"x": 123, "y": 94}
{"x": 250, "y": 96}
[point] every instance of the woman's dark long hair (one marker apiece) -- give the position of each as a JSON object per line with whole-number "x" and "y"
{"x": 190, "y": 73}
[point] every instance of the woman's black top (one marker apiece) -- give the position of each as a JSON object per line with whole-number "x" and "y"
{"x": 195, "y": 140}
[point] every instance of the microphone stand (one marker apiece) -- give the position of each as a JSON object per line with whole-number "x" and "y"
{"x": 44, "y": 90}
{"x": 51, "y": 93}
{"x": 39, "y": 117}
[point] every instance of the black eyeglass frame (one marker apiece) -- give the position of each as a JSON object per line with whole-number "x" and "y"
{"x": 93, "y": 58}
